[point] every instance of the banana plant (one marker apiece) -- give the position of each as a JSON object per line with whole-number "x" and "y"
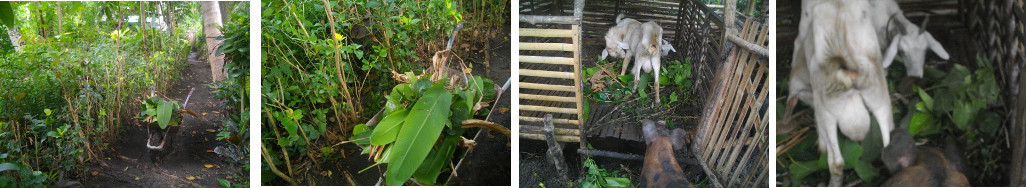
{"x": 423, "y": 127}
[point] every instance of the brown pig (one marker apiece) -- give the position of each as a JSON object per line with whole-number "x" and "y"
{"x": 927, "y": 167}
{"x": 661, "y": 168}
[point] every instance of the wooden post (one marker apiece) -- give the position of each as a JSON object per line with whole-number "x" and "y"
{"x": 555, "y": 153}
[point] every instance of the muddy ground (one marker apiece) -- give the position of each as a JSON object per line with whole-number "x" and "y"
{"x": 127, "y": 162}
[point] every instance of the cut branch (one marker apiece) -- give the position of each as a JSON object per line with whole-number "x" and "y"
{"x": 472, "y": 123}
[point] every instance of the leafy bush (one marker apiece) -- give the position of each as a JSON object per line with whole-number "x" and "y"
{"x": 329, "y": 63}
{"x": 66, "y": 91}
{"x": 233, "y": 92}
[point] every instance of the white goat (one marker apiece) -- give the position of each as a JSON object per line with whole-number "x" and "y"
{"x": 837, "y": 68}
{"x": 912, "y": 41}
{"x": 647, "y": 44}
{"x": 616, "y": 44}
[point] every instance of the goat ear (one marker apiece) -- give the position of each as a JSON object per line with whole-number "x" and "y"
{"x": 892, "y": 50}
{"x": 936, "y": 47}
{"x": 604, "y": 54}
{"x": 623, "y": 45}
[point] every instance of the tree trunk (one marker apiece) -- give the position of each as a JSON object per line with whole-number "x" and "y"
{"x": 60, "y": 29}
{"x": 42, "y": 24}
{"x": 167, "y": 17}
{"x": 211, "y": 20}
{"x": 15, "y": 37}
{"x": 142, "y": 22}
{"x": 226, "y": 11}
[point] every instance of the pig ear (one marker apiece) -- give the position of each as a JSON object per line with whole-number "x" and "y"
{"x": 892, "y": 50}
{"x": 604, "y": 54}
{"x": 936, "y": 47}
{"x": 623, "y": 45}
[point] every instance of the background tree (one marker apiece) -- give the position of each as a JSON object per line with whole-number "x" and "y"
{"x": 211, "y": 12}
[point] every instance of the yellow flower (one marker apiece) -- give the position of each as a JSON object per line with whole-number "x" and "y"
{"x": 339, "y": 37}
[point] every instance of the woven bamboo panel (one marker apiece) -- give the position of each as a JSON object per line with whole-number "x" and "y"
{"x": 732, "y": 135}
{"x": 1000, "y": 28}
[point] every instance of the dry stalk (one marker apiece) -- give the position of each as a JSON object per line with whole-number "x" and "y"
{"x": 277, "y": 135}
{"x": 270, "y": 163}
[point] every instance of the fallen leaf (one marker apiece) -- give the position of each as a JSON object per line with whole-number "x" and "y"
{"x": 467, "y": 70}
{"x": 204, "y": 113}
{"x": 216, "y": 112}
{"x": 211, "y": 130}
{"x": 503, "y": 110}
{"x": 208, "y": 165}
{"x": 137, "y": 178}
{"x": 94, "y": 173}
{"x": 190, "y": 177}
{"x": 228, "y": 177}
{"x": 210, "y": 151}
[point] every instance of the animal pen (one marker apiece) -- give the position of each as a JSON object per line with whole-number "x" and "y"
{"x": 729, "y": 140}
{"x": 995, "y": 30}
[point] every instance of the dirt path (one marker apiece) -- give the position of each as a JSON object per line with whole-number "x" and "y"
{"x": 127, "y": 162}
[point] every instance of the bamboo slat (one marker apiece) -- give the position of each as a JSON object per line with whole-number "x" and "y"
{"x": 549, "y": 19}
{"x": 557, "y": 131}
{"x": 531, "y": 32}
{"x": 547, "y": 74}
{"x": 547, "y": 46}
{"x": 559, "y": 138}
{"x": 547, "y": 60}
{"x": 549, "y": 87}
{"x": 547, "y": 98}
{"x": 558, "y": 121}
{"x": 578, "y": 11}
{"x": 548, "y": 109}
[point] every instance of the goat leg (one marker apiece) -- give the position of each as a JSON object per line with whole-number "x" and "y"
{"x": 655, "y": 72}
{"x": 626, "y": 60}
{"x": 878, "y": 101}
{"x": 827, "y": 129}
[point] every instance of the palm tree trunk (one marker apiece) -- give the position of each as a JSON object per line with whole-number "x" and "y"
{"x": 211, "y": 21}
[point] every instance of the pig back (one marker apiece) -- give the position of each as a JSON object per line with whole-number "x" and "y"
{"x": 661, "y": 168}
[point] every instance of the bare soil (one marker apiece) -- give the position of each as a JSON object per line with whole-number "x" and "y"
{"x": 127, "y": 162}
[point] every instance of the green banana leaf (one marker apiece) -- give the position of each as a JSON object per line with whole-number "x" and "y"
{"x": 418, "y": 134}
{"x": 387, "y": 129}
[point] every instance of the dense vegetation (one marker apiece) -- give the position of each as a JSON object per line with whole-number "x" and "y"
{"x": 76, "y": 78}
{"x": 329, "y": 66}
